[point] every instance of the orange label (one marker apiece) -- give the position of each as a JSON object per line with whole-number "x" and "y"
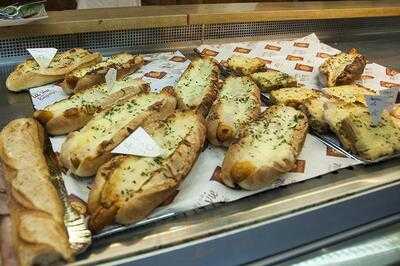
{"x": 266, "y": 61}
{"x": 272, "y": 47}
{"x": 390, "y": 85}
{"x": 207, "y": 52}
{"x": 367, "y": 77}
{"x": 334, "y": 153}
{"x": 242, "y": 50}
{"x": 178, "y": 59}
{"x": 301, "y": 44}
{"x": 299, "y": 167}
{"x": 216, "y": 174}
{"x": 294, "y": 58}
{"x": 323, "y": 55}
{"x": 305, "y": 68}
{"x": 155, "y": 74}
{"x": 391, "y": 72}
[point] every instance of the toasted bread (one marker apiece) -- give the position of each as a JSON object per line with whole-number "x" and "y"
{"x": 272, "y": 80}
{"x": 352, "y": 94}
{"x": 87, "y": 77}
{"x": 37, "y": 214}
{"x": 293, "y": 97}
{"x": 342, "y": 69}
{"x": 85, "y": 150}
{"x": 268, "y": 147}
{"x": 238, "y": 102}
{"x": 368, "y": 140}
{"x": 242, "y": 65}
{"x": 198, "y": 86}
{"x": 128, "y": 188}
{"x": 29, "y": 74}
{"x": 73, "y": 113}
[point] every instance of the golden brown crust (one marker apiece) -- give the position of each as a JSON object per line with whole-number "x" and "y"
{"x": 83, "y": 159}
{"x": 37, "y": 214}
{"x": 237, "y": 104}
{"x": 28, "y": 74}
{"x": 160, "y": 185}
{"x": 242, "y": 66}
{"x": 243, "y": 165}
{"x": 206, "y": 92}
{"x": 74, "y": 83}
{"x": 74, "y": 118}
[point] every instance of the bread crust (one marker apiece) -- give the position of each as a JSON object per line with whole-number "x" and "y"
{"x": 223, "y": 127}
{"x": 83, "y": 159}
{"x": 74, "y": 118}
{"x": 160, "y": 184}
{"x": 267, "y": 82}
{"x": 353, "y": 67}
{"x": 201, "y": 103}
{"x": 28, "y": 74}
{"x": 246, "y": 68}
{"x": 37, "y": 214}
{"x": 75, "y": 82}
{"x": 242, "y": 169}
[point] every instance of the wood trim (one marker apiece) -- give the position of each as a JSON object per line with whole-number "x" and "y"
{"x": 95, "y": 20}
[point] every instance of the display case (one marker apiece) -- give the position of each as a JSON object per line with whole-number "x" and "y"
{"x": 273, "y": 225}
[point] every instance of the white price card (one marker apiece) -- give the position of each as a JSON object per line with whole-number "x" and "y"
{"x": 111, "y": 77}
{"x": 43, "y": 56}
{"x": 376, "y": 104}
{"x": 390, "y": 95}
{"x": 139, "y": 143}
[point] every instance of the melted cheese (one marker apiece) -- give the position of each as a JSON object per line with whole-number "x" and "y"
{"x": 238, "y": 100}
{"x": 272, "y": 80}
{"x": 118, "y": 59}
{"x": 195, "y": 83}
{"x": 349, "y": 93}
{"x": 245, "y": 65}
{"x": 334, "y": 66}
{"x": 270, "y": 139}
{"x": 134, "y": 172}
{"x": 104, "y": 126}
{"x": 292, "y": 95}
{"x": 93, "y": 97}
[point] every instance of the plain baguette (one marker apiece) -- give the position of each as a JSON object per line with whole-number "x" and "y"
{"x": 73, "y": 113}
{"x": 85, "y": 150}
{"x": 87, "y": 77}
{"x": 128, "y": 188}
{"x": 36, "y": 211}
{"x": 29, "y": 74}
{"x": 238, "y": 102}
{"x": 268, "y": 147}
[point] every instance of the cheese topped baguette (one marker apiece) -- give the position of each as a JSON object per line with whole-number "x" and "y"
{"x": 128, "y": 188}
{"x": 243, "y": 65}
{"x": 238, "y": 103}
{"x": 353, "y": 94}
{"x": 342, "y": 69}
{"x": 73, "y": 113}
{"x": 268, "y": 147}
{"x": 37, "y": 226}
{"x": 293, "y": 97}
{"x": 85, "y": 150}
{"x": 86, "y": 77}
{"x": 368, "y": 140}
{"x": 273, "y": 80}
{"x": 198, "y": 86}
{"x": 29, "y": 74}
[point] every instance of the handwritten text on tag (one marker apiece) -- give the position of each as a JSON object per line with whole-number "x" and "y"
{"x": 376, "y": 104}
{"x": 111, "y": 77}
{"x": 43, "y": 56}
{"x": 139, "y": 143}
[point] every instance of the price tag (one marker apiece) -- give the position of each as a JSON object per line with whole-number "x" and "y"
{"x": 376, "y": 105}
{"x": 111, "y": 77}
{"x": 43, "y": 56}
{"x": 139, "y": 143}
{"x": 390, "y": 95}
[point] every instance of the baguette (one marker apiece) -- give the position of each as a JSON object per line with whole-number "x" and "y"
{"x": 368, "y": 140}
{"x": 272, "y": 80}
{"x": 351, "y": 94}
{"x": 128, "y": 188}
{"x": 73, "y": 113}
{"x": 198, "y": 86}
{"x": 268, "y": 147}
{"x": 85, "y": 150}
{"x": 342, "y": 69}
{"x": 36, "y": 211}
{"x": 238, "y": 103}
{"x": 242, "y": 65}
{"x": 29, "y": 74}
{"x": 87, "y": 77}
{"x": 293, "y": 97}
